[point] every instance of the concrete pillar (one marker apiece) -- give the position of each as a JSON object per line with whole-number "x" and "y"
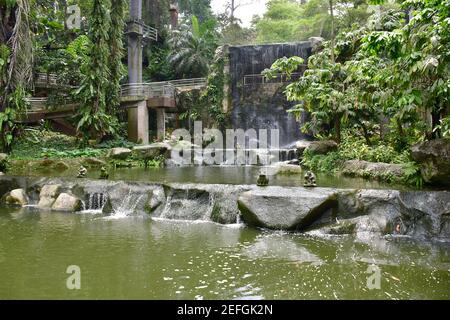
{"x": 161, "y": 123}
{"x": 135, "y": 44}
{"x": 173, "y": 16}
{"x": 134, "y": 58}
{"x": 138, "y": 114}
{"x": 138, "y": 123}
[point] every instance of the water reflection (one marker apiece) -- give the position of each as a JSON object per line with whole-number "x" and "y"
{"x": 138, "y": 257}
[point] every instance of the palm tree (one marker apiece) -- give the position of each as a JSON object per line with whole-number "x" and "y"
{"x": 192, "y": 48}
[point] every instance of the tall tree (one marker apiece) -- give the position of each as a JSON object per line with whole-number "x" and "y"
{"x": 16, "y": 63}
{"x": 199, "y": 8}
{"x": 116, "y": 68}
{"x": 94, "y": 121}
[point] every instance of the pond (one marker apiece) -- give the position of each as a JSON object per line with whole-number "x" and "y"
{"x": 137, "y": 257}
{"x": 215, "y": 175}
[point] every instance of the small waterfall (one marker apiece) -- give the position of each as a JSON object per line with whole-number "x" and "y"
{"x": 128, "y": 205}
{"x": 94, "y": 201}
{"x": 192, "y": 205}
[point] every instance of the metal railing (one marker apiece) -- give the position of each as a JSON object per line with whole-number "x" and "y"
{"x": 149, "y": 32}
{"x": 185, "y": 84}
{"x": 46, "y": 79}
{"x": 259, "y": 79}
{"x": 36, "y": 102}
{"x": 165, "y": 89}
{"x": 149, "y": 90}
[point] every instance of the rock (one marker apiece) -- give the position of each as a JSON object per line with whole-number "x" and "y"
{"x": 286, "y": 168}
{"x": 50, "y": 190}
{"x": 301, "y": 145}
{"x": 125, "y": 197}
{"x": 17, "y": 197}
{"x": 93, "y": 162}
{"x": 48, "y": 195}
{"x": 46, "y": 202}
{"x": 434, "y": 159}
{"x": 322, "y": 147}
{"x": 316, "y": 43}
{"x": 61, "y": 166}
{"x": 67, "y": 202}
{"x": 188, "y": 204}
{"x": 119, "y": 153}
{"x": 152, "y": 151}
{"x": 1, "y": 173}
{"x": 285, "y": 208}
{"x": 375, "y": 169}
{"x": 45, "y": 163}
{"x": 425, "y": 213}
{"x": 155, "y": 200}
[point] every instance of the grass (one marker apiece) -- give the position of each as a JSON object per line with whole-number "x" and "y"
{"x": 35, "y": 143}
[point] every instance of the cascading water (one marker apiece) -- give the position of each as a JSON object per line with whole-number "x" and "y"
{"x": 128, "y": 206}
{"x": 94, "y": 202}
{"x": 263, "y": 105}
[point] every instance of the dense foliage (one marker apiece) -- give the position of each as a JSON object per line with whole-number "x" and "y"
{"x": 192, "y": 48}
{"x": 94, "y": 120}
{"x": 386, "y": 81}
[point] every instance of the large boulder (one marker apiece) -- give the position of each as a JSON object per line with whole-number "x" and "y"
{"x": 93, "y": 162}
{"x": 285, "y": 168}
{"x": 48, "y": 195}
{"x": 17, "y": 197}
{"x": 152, "y": 151}
{"x": 434, "y": 159}
{"x": 67, "y": 202}
{"x": 419, "y": 214}
{"x": 285, "y": 208}
{"x": 322, "y": 147}
{"x": 375, "y": 169}
{"x": 119, "y": 153}
{"x": 301, "y": 146}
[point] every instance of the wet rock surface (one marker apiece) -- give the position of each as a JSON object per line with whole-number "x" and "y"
{"x": 434, "y": 159}
{"x": 322, "y": 147}
{"x": 327, "y": 211}
{"x": 360, "y": 167}
{"x": 16, "y": 197}
{"x": 119, "y": 153}
{"x": 152, "y": 151}
{"x": 285, "y": 208}
{"x": 66, "y": 202}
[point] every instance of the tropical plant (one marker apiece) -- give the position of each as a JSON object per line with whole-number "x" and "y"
{"x": 192, "y": 48}
{"x": 116, "y": 50}
{"x": 16, "y": 63}
{"x": 93, "y": 118}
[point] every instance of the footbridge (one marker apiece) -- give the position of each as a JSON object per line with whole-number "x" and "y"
{"x": 157, "y": 95}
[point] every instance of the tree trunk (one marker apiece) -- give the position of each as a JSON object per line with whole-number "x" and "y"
{"x": 337, "y": 128}
{"x": 366, "y": 134}
{"x": 332, "y": 31}
{"x": 435, "y": 117}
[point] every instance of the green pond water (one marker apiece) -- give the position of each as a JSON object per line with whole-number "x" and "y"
{"x": 136, "y": 257}
{"x": 214, "y": 175}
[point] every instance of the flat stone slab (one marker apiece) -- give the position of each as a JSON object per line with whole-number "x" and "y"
{"x": 285, "y": 208}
